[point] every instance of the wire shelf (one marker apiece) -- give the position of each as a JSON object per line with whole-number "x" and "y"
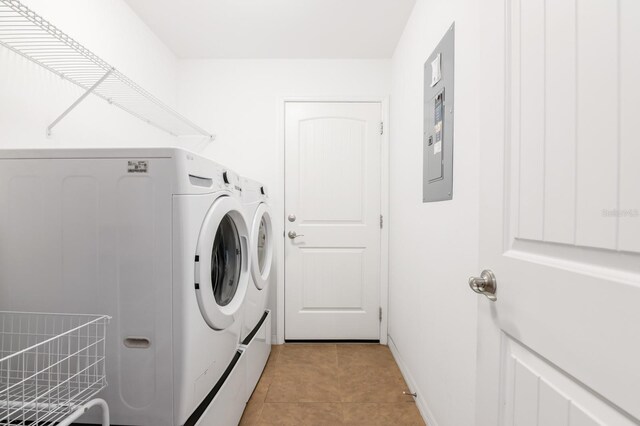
{"x": 31, "y": 36}
{"x": 51, "y": 365}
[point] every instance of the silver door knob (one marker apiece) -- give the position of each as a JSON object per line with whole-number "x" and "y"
{"x": 293, "y": 235}
{"x": 485, "y": 284}
{"x": 292, "y": 218}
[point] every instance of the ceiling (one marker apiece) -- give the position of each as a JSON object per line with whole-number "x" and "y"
{"x": 277, "y": 28}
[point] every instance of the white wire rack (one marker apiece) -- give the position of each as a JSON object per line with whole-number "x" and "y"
{"x": 28, "y": 34}
{"x": 51, "y": 367}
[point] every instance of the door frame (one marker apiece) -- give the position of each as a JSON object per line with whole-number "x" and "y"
{"x": 384, "y": 204}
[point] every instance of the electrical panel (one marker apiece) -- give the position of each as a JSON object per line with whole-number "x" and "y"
{"x": 437, "y": 144}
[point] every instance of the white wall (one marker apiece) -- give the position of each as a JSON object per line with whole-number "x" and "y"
{"x": 434, "y": 246}
{"x": 33, "y": 97}
{"x": 241, "y": 101}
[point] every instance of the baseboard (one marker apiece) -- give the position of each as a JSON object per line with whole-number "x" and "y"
{"x": 426, "y": 413}
{"x": 274, "y": 339}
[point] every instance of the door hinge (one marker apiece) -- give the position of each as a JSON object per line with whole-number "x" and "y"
{"x": 380, "y": 313}
{"x": 382, "y": 127}
{"x": 381, "y": 221}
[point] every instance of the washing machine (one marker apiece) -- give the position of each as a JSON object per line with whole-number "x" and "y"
{"x": 256, "y": 328}
{"x": 155, "y": 238}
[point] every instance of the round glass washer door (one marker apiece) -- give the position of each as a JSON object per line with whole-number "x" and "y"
{"x": 222, "y": 263}
{"x": 261, "y": 246}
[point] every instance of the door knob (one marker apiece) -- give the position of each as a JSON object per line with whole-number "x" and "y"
{"x": 485, "y": 284}
{"x": 293, "y": 235}
{"x": 292, "y": 218}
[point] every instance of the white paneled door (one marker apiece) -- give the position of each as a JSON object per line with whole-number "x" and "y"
{"x": 332, "y": 223}
{"x": 560, "y": 213}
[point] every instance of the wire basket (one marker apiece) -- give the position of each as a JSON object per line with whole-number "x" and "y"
{"x": 51, "y": 365}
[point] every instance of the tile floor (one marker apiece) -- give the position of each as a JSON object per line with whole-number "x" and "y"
{"x": 328, "y": 384}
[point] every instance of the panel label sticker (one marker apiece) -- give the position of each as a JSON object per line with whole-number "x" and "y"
{"x": 436, "y": 72}
{"x": 437, "y": 119}
{"x": 138, "y": 166}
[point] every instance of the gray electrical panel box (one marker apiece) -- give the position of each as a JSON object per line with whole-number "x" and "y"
{"x": 437, "y": 144}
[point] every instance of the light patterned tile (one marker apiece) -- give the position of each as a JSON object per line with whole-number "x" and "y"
{"x": 382, "y": 414}
{"x": 260, "y": 392}
{"x": 370, "y": 350}
{"x": 251, "y": 413}
{"x": 307, "y": 354}
{"x": 297, "y": 414}
{"x": 331, "y": 384}
{"x": 270, "y": 367}
{"x": 305, "y": 383}
{"x": 365, "y": 384}
{"x": 275, "y": 351}
{"x": 370, "y": 355}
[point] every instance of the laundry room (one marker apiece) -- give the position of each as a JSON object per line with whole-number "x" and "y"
{"x": 319, "y": 212}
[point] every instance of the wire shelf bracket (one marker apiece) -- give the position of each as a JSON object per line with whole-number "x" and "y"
{"x": 78, "y": 101}
{"x": 28, "y": 34}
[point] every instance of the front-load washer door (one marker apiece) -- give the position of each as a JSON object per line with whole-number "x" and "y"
{"x": 262, "y": 246}
{"x": 222, "y": 263}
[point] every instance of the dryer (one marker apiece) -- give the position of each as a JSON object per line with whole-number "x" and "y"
{"x": 256, "y": 329}
{"x": 155, "y": 238}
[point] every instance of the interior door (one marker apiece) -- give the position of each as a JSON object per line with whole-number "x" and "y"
{"x": 560, "y": 213}
{"x": 332, "y": 203}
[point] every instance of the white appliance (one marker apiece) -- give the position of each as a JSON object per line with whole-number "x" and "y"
{"x": 157, "y": 239}
{"x": 256, "y": 328}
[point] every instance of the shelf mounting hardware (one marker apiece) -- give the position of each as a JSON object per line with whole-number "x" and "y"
{"x": 80, "y": 99}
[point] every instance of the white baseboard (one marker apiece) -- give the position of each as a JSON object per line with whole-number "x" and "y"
{"x": 426, "y": 413}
